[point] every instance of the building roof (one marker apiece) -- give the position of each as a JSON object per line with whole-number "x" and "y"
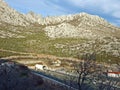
{"x": 114, "y": 72}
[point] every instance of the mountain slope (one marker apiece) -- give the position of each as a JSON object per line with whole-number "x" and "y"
{"x": 68, "y": 35}
{"x": 79, "y": 25}
{"x": 9, "y": 15}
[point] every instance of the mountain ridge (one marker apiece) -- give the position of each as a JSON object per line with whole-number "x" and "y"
{"x": 77, "y": 25}
{"x": 31, "y": 17}
{"x": 58, "y": 35}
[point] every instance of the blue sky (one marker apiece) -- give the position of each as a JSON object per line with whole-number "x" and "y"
{"x": 108, "y": 9}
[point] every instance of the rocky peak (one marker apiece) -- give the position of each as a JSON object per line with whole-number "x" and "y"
{"x": 34, "y": 18}
{"x": 3, "y": 2}
{"x": 11, "y": 16}
{"x": 78, "y": 25}
{"x": 80, "y": 18}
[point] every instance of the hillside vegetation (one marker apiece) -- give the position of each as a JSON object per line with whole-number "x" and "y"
{"x": 35, "y": 40}
{"x": 63, "y": 36}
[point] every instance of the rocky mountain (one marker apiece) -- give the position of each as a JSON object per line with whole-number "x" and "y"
{"x": 59, "y": 35}
{"x": 11, "y": 16}
{"x": 79, "y": 25}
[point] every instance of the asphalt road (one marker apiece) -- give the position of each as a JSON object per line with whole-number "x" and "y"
{"x": 53, "y": 80}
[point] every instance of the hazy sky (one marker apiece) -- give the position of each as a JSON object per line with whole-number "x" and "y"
{"x": 108, "y": 9}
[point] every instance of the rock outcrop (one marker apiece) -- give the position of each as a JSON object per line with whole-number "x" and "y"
{"x": 11, "y": 16}
{"x": 81, "y": 25}
{"x": 34, "y": 18}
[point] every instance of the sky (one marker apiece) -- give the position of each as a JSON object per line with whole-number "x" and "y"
{"x": 107, "y": 9}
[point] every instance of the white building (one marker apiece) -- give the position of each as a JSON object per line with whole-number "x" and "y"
{"x": 113, "y": 74}
{"x": 40, "y": 67}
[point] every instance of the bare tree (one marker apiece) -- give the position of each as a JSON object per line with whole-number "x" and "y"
{"x": 85, "y": 70}
{"x": 92, "y": 74}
